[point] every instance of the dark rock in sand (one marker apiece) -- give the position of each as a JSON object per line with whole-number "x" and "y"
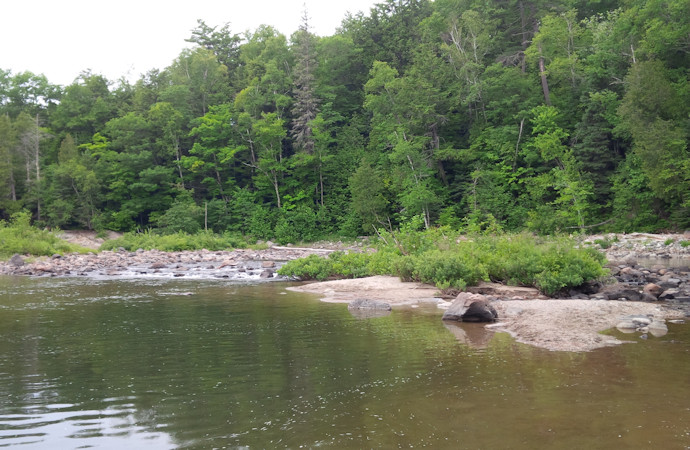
{"x": 471, "y": 308}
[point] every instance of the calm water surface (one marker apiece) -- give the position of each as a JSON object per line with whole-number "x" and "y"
{"x": 204, "y": 364}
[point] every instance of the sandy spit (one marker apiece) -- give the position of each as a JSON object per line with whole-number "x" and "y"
{"x": 558, "y": 325}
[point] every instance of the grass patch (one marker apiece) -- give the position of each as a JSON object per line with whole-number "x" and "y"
{"x": 150, "y": 240}
{"x": 19, "y": 236}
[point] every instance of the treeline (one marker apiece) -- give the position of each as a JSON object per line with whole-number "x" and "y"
{"x": 559, "y": 115}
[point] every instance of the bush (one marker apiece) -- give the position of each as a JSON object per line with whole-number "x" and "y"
{"x": 447, "y": 261}
{"x": 183, "y": 216}
{"x": 19, "y": 236}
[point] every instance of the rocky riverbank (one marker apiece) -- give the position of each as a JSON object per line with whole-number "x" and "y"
{"x": 240, "y": 264}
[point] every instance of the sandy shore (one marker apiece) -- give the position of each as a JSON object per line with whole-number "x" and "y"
{"x": 559, "y": 325}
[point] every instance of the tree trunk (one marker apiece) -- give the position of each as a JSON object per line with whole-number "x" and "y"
{"x": 544, "y": 82}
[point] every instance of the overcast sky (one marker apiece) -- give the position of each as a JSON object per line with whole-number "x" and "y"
{"x": 61, "y": 38}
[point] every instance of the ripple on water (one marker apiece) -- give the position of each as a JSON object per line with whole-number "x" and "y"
{"x": 67, "y": 426}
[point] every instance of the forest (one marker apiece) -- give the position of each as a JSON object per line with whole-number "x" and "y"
{"x": 558, "y": 116}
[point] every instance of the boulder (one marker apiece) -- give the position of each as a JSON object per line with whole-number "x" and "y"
{"x": 268, "y": 264}
{"x": 16, "y": 261}
{"x": 471, "y": 308}
{"x": 622, "y": 292}
{"x": 670, "y": 283}
{"x": 653, "y": 289}
{"x": 266, "y": 273}
{"x": 633, "y": 322}
{"x": 365, "y": 303}
{"x": 658, "y": 328}
{"x": 669, "y": 294}
{"x": 228, "y": 263}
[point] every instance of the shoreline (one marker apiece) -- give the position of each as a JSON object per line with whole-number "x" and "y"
{"x": 553, "y": 324}
{"x": 572, "y": 324}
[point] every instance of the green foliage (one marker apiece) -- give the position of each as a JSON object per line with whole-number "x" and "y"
{"x": 549, "y": 264}
{"x": 179, "y": 241}
{"x": 684, "y": 244}
{"x": 183, "y": 216}
{"x": 481, "y": 116}
{"x": 448, "y": 260}
{"x": 669, "y": 241}
{"x": 19, "y": 236}
{"x": 603, "y": 243}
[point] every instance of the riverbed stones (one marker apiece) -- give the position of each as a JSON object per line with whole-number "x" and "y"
{"x": 204, "y": 263}
{"x": 471, "y": 307}
{"x": 642, "y": 324}
{"x": 267, "y": 273}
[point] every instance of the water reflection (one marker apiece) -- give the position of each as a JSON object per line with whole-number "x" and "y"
{"x": 474, "y": 335}
{"x": 184, "y": 364}
{"x": 69, "y": 426}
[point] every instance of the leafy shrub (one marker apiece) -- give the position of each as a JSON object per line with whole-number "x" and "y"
{"x": 669, "y": 241}
{"x": 685, "y": 244}
{"x": 447, "y": 261}
{"x": 603, "y": 243}
{"x": 19, "y": 236}
{"x": 442, "y": 268}
{"x": 183, "y": 216}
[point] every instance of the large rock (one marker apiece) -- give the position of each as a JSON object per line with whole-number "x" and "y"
{"x": 367, "y": 304}
{"x": 16, "y": 261}
{"x": 653, "y": 289}
{"x": 621, "y": 291}
{"x": 471, "y": 308}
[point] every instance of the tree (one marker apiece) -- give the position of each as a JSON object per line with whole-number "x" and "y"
{"x": 653, "y": 113}
{"x": 305, "y": 107}
{"x": 571, "y": 192}
{"x": 221, "y": 42}
{"x": 8, "y": 188}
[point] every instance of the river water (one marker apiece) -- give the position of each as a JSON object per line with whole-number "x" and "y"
{"x": 161, "y": 364}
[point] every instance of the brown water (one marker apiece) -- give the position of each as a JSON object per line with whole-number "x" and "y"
{"x": 200, "y": 364}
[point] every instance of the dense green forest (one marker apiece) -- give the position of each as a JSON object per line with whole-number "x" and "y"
{"x": 521, "y": 114}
